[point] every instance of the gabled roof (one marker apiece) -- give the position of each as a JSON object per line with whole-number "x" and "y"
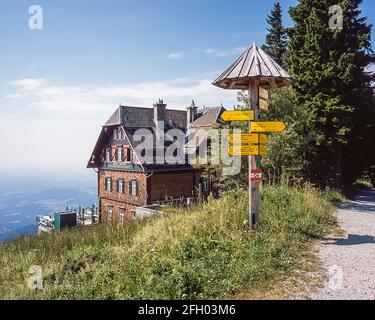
{"x": 253, "y": 63}
{"x": 135, "y": 117}
{"x": 207, "y": 117}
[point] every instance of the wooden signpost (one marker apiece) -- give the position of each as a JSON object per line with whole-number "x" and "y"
{"x": 248, "y": 139}
{"x": 263, "y": 98}
{"x": 258, "y": 72}
{"x": 247, "y": 150}
{"x": 263, "y": 104}
{"x": 263, "y": 93}
{"x": 239, "y": 115}
{"x": 252, "y": 145}
{"x": 276, "y": 126}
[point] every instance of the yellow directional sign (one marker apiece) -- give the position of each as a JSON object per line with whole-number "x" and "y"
{"x": 263, "y": 93}
{"x": 263, "y": 104}
{"x": 267, "y": 126}
{"x": 239, "y": 115}
{"x": 253, "y": 138}
{"x": 247, "y": 150}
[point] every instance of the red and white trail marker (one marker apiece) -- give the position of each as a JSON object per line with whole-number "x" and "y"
{"x": 256, "y": 176}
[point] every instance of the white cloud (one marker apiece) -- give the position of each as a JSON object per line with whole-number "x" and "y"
{"x": 62, "y": 133}
{"x": 208, "y": 51}
{"x": 224, "y": 53}
{"x": 28, "y": 84}
{"x": 176, "y": 56}
{"x": 100, "y": 101}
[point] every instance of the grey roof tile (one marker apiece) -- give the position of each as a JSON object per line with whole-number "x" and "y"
{"x": 253, "y": 63}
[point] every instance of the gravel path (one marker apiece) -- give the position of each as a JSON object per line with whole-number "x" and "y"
{"x": 350, "y": 261}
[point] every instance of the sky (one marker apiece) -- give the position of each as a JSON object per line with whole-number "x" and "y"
{"x": 58, "y": 85}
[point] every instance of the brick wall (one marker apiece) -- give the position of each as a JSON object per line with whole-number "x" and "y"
{"x": 139, "y": 200}
{"x": 158, "y": 187}
{"x": 116, "y": 206}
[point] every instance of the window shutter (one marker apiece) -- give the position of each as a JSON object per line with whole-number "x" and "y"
{"x": 118, "y": 185}
{"x": 110, "y": 184}
{"x": 130, "y": 187}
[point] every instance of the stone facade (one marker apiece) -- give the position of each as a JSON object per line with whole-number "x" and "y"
{"x": 125, "y": 196}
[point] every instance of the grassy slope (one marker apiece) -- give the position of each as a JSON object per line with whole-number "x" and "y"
{"x": 203, "y": 253}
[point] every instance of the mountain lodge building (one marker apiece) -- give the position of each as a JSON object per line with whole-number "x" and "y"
{"x": 124, "y": 183}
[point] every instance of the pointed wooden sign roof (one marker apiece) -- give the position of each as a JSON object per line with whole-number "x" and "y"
{"x": 253, "y": 63}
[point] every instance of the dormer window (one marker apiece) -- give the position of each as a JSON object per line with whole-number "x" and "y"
{"x": 121, "y": 134}
{"x": 108, "y": 152}
{"x": 107, "y": 155}
{"x": 119, "y": 154}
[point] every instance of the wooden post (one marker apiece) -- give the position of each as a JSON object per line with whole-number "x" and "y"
{"x": 253, "y": 187}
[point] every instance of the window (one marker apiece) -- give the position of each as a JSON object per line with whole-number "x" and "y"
{"x": 122, "y": 216}
{"x": 133, "y": 187}
{"x": 134, "y": 214}
{"x": 128, "y": 155}
{"x": 119, "y": 154}
{"x": 205, "y": 186}
{"x": 121, "y": 134}
{"x": 108, "y": 184}
{"x": 110, "y": 213}
{"x": 108, "y": 152}
{"x": 115, "y": 134}
{"x": 120, "y": 185}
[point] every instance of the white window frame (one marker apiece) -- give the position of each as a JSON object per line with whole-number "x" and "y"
{"x": 134, "y": 184}
{"x": 110, "y": 213}
{"x": 108, "y": 153}
{"x": 119, "y": 154}
{"x": 122, "y": 215}
{"x": 108, "y": 184}
{"x": 121, "y": 182}
{"x": 121, "y": 134}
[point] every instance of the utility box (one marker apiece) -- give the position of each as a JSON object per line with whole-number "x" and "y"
{"x": 65, "y": 220}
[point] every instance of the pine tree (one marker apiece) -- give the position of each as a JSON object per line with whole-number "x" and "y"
{"x": 332, "y": 88}
{"x": 276, "y": 40}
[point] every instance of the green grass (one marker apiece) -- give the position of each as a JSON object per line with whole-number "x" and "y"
{"x": 332, "y": 195}
{"x": 205, "y": 252}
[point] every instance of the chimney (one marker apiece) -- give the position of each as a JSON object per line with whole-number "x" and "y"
{"x": 191, "y": 113}
{"x": 160, "y": 113}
